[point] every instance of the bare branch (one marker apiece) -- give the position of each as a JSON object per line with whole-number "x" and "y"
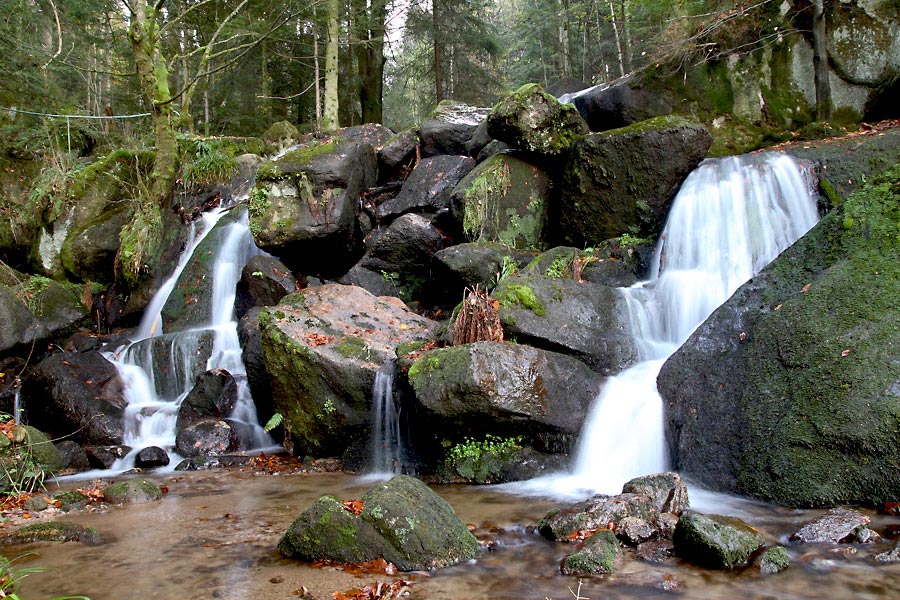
{"x": 58, "y": 36}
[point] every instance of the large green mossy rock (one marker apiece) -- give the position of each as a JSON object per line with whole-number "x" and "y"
{"x": 504, "y": 199}
{"x": 133, "y": 491}
{"x": 322, "y": 348}
{"x": 33, "y": 307}
{"x": 505, "y": 389}
{"x": 530, "y": 119}
{"x": 716, "y": 541}
{"x": 547, "y": 305}
{"x": 624, "y": 180}
{"x": 89, "y": 251}
{"x": 790, "y": 391}
{"x": 402, "y": 521}
{"x": 42, "y": 450}
{"x": 601, "y": 554}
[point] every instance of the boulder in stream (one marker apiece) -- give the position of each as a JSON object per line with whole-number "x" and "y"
{"x": 402, "y": 521}
{"x": 836, "y": 526}
{"x": 601, "y": 554}
{"x": 716, "y": 541}
{"x": 133, "y": 491}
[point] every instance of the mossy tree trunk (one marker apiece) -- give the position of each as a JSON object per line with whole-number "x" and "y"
{"x": 330, "y": 112}
{"x": 153, "y": 78}
{"x": 820, "y": 62}
{"x": 369, "y": 31}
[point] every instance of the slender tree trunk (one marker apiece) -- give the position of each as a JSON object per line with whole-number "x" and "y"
{"x": 153, "y": 77}
{"x": 820, "y": 62}
{"x": 626, "y": 30}
{"x": 330, "y": 114}
{"x": 438, "y": 72}
{"x": 316, "y": 72}
{"x": 265, "y": 109}
{"x": 615, "y": 25}
{"x": 565, "y": 52}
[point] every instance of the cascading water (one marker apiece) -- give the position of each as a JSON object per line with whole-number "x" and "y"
{"x": 387, "y": 454}
{"x": 731, "y": 218}
{"x": 156, "y": 382}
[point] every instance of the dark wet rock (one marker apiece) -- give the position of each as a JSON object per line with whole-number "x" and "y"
{"x": 492, "y": 148}
{"x": 398, "y": 151}
{"x": 619, "y": 262}
{"x": 257, "y": 378}
{"x": 34, "y": 307}
{"x": 544, "y": 305}
{"x": 399, "y": 261}
{"x": 774, "y": 560}
{"x": 481, "y": 263}
{"x": 89, "y": 251}
{"x": 207, "y": 437}
{"x": 264, "y": 281}
{"x": 891, "y": 556}
{"x": 428, "y": 187}
{"x": 402, "y": 521}
{"x": 37, "y": 503}
{"x": 657, "y": 552}
{"x": 322, "y": 349}
{"x": 597, "y": 513}
{"x": 716, "y": 541}
{"x": 667, "y": 490}
{"x": 371, "y": 133}
{"x": 70, "y": 392}
{"x": 133, "y": 491}
{"x": 502, "y": 388}
{"x": 42, "y": 451}
{"x": 601, "y": 554}
{"x": 666, "y": 522}
{"x": 151, "y": 458}
{"x": 305, "y": 205}
{"x": 54, "y": 531}
{"x": 623, "y": 181}
{"x": 778, "y": 396}
{"x": 836, "y": 526}
{"x": 103, "y": 457}
{"x": 864, "y": 535}
{"x": 480, "y": 139}
{"x": 634, "y": 530}
{"x": 530, "y": 119}
{"x": 504, "y": 199}
{"x": 567, "y": 85}
{"x": 504, "y": 463}
{"x": 71, "y": 500}
{"x": 73, "y": 456}
{"x": 610, "y": 106}
{"x": 449, "y": 128}
{"x": 214, "y": 395}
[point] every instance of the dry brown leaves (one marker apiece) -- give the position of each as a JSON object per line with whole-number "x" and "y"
{"x": 478, "y": 320}
{"x": 378, "y": 590}
{"x": 353, "y": 506}
{"x": 318, "y": 339}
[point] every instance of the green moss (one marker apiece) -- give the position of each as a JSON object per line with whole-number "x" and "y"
{"x": 774, "y": 560}
{"x": 832, "y": 198}
{"x": 56, "y": 531}
{"x": 140, "y": 241}
{"x": 649, "y": 125}
{"x": 352, "y": 347}
{"x": 206, "y": 161}
{"x": 481, "y": 214}
{"x": 407, "y": 348}
{"x": 133, "y": 491}
{"x": 600, "y": 555}
{"x": 479, "y": 461}
{"x": 517, "y": 294}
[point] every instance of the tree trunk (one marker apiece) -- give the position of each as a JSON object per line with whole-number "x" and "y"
{"x": 565, "y": 53}
{"x": 330, "y": 113}
{"x": 438, "y": 72}
{"x": 369, "y": 31}
{"x": 316, "y": 72}
{"x": 153, "y": 77}
{"x": 615, "y": 25}
{"x": 820, "y": 62}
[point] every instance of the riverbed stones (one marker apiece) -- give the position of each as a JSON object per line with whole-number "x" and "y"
{"x": 401, "y": 521}
{"x": 322, "y": 348}
{"x": 836, "y": 526}
{"x": 133, "y": 491}
{"x": 716, "y": 541}
{"x": 774, "y": 560}
{"x": 599, "y": 512}
{"x": 667, "y": 491}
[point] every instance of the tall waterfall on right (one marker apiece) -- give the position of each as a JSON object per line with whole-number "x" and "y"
{"x": 731, "y": 218}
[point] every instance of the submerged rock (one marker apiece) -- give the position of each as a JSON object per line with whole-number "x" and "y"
{"x": 600, "y": 512}
{"x": 601, "y": 554}
{"x": 716, "y": 541}
{"x": 56, "y": 531}
{"x": 401, "y": 521}
{"x": 133, "y": 491}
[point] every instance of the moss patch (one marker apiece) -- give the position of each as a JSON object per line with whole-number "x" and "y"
{"x": 519, "y": 295}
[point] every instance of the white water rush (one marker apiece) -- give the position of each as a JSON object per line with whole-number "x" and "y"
{"x": 159, "y": 368}
{"x": 730, "y": 219}
{"x": 387, "y": 457}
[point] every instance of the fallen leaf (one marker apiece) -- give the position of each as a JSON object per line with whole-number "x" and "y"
{"x": 846, "y": 352}
{"x": 806, "y": 288}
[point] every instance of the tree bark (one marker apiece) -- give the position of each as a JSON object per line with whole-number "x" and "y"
{"x": 820, "y": 62}
{"x": 438, "y": 72}
{"x": 330, "y": 112}
{"x": 369, "y": 32}
{"x": 615, "y": 25}
{"x": 565, "y": 53}
{"x": 153, "y": 77}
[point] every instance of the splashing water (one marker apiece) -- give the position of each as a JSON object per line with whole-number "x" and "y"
{"x": 731, "y": 218}
{"x": 159, "y": 368}
{"x": 387, "y": 455}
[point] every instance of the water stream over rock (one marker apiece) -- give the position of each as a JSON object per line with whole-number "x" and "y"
{"x": 731, "y": 218}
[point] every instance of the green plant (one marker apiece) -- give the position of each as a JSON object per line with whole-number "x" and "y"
{"x": 560, "y": 267}
{"x": 472, "y": 449}
{"x": 31, "y": 293}
{"x": 11, "y": 577}
{"x": 507, "y": 268}
{"x": 273, "y": 422}
{"x": 257, "y": 207}
{"x": 209, "y": 164}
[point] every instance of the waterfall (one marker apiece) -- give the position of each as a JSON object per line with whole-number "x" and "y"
{"x": 731, "y": 218}
{"x": 387, "y": 454}
{"x": 159, "y": 368}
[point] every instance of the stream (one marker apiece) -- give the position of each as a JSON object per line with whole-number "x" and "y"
{"x": 214, "y": 535}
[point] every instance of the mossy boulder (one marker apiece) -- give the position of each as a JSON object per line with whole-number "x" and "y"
{"x": 779, "y": 395}
{"x": 601, "y": 554}
{"x": 89, "y": 250}
{"x": 504, "y": 199}
{"x": 530, "y": 119}
{"x": 402, "y": 521}
{"x": 133, "y": 491}
{"x": 505, "y": 389}
{"x": 304, "y": 206}
{"x": 44, "y": 454}
{"x": 20, "y": 325}
{"x": 34, "y": 307}
{"x": 428, "y": 188}
{"x": 774, "y": 560}
{"x": 716, "y": 541}
{"x": 611, "y": 106}
{"x": 322, "y": 348}
{"x": 480, "y": 263}
{"x": 546, "y": 305}
{"x": 55, "y": 531}
{"x": 593, "y": 514}
{"x": 624, "y": 180}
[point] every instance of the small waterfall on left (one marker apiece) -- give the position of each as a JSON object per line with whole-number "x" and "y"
{"x": 159, "y": 368}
